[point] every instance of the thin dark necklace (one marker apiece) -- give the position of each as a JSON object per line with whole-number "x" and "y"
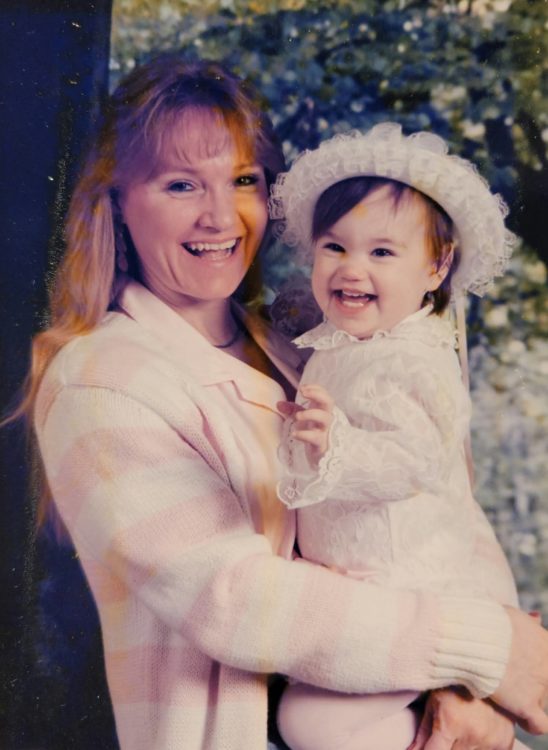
{"x": 236, "y": 335}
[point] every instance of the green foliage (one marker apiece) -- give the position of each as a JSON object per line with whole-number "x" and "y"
{"x": 327, "y": 66}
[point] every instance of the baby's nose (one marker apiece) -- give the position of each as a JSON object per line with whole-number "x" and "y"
{"x": 353, "y": 269}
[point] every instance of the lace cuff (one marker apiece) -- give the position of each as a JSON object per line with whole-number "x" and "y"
{"x": 304, "y": 484}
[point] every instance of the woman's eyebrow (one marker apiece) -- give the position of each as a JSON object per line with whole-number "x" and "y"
{"x": 247, "y": 165}
{"x": 167, "y": 167}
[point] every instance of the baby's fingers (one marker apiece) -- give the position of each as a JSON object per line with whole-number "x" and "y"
{"x": 319, "y": 397}
{"x": 320, "y": 418}
{"x": 315, "y": 438}
{"x": 288, "y": 408}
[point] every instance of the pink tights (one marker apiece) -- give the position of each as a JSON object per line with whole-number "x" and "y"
{"x": 310, "y": 718}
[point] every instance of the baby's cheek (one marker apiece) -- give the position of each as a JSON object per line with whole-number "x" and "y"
{"x": 320, "y": 288}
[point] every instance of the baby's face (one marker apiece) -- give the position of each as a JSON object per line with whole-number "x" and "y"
{"x": 373, "y": 267}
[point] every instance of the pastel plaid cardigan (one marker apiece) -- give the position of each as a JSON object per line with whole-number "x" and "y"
{"x": 144, "y": 429}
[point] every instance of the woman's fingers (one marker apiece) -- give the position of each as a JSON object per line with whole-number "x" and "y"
{"x": 438, "y": 742}
{"x": 534, "y": 721}
{"x": 441, "y": 733}
{"x": 453, "y": 720}
{"x": 523, "y": 691}
{"x": 425, "y": 729}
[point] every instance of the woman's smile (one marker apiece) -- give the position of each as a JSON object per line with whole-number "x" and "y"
{"x": 212, "y": 251}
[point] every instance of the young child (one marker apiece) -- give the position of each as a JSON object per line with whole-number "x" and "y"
{"x": 374, "y": 455}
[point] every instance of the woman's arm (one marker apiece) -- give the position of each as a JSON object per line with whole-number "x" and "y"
{"x": 143, "y": 502}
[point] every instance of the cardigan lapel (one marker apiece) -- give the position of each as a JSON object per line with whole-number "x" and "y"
{"x": 204, "y": 363}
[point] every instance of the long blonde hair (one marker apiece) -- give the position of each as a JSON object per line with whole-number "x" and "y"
{"x": 143, "y": 111}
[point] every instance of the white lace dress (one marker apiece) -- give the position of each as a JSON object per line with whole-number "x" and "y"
{"x": 390, "y": 501}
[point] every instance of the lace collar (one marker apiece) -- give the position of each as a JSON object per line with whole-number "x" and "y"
{"x": 419, "y": 326}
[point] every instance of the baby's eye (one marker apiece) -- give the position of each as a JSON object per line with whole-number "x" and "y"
{"x": 179, "y": 186}
{"x": 382, "y": 252}
{"x": 334, "y": 247}
{"x": 247, "y": 180}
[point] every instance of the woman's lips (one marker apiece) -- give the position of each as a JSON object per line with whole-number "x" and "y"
{"x": 212, "y": 250}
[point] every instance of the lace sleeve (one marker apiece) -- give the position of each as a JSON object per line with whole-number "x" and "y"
{"x": 400, "y": 439}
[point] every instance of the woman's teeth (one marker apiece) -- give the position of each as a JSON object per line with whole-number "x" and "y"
{"x": 214, "y": 250}
{"x": 354, "y": 299}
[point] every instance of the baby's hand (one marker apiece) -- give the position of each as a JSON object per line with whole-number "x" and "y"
{"x": 312, "y": 421}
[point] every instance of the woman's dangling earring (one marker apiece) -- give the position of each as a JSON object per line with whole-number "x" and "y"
{"x": 120, "y": 230}
{"x": 429, "y": 298}
{"x": 121, "y": 251}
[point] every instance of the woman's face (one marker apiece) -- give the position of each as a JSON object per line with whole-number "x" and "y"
{"x": 197, "y": 221}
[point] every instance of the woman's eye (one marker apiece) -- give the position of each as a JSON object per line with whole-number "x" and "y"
{"x": 247, "y": 180}
{"x": 179, "y": 186}
{"x": 382, "y": 252}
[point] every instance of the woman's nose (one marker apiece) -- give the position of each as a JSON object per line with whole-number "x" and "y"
{"x": 218, "y": 211}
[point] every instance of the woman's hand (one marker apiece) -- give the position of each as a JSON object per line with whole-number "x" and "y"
{"x": 524, "y": 688}
{"x": 454, "y": 720}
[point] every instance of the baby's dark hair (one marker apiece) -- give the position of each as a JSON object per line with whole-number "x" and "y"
{"x": 340, "y": 198}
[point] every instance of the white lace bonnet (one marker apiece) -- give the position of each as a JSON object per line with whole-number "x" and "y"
{"x": 419, "y": 160}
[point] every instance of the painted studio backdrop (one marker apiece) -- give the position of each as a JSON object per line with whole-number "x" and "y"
{"x": 473, "y": 71}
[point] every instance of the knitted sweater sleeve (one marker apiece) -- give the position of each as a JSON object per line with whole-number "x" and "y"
{"x": 144, "y": 503}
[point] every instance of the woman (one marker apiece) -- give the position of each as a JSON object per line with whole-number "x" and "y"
{"x": 154, "y": 398}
